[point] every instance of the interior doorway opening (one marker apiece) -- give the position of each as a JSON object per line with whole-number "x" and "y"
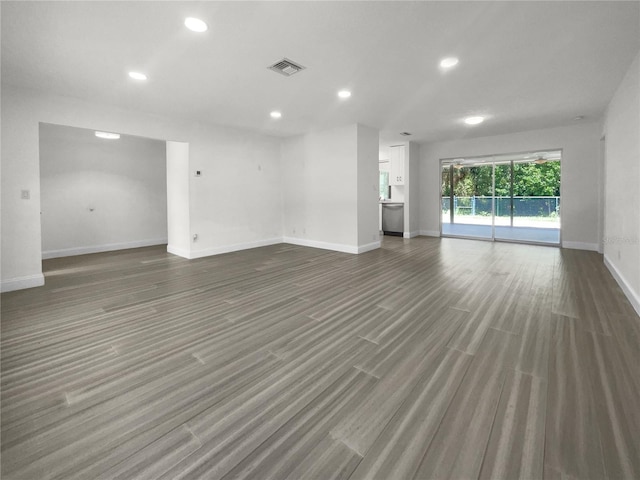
{"x": 508, "y": 197}
{"x": 100, "y": 191}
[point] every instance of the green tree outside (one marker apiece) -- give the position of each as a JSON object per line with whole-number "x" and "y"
{"x": 529, "y": 179}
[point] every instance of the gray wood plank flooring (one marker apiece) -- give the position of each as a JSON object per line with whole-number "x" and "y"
{"x": 426, "y": 359}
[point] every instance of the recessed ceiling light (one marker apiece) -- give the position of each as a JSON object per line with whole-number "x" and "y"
{"x": 474, "y": 120}
{"x": 275, "y": 114}
{"x": 344, "y": 93}
{"x": 448, "y": 62}
{"x": 195, "y": 25}
{"x": 579, "y": 117}
{"x": 107, "y": 135}
{"x": 137, "y": 76}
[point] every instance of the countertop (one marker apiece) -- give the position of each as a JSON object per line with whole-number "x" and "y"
{"x": 390, "y": 202}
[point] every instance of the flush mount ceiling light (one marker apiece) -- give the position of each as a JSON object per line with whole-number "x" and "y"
{"x": 275, "y": 114}
{"x": 344, "y": 93}
{"x": 475, "y": 120}
{"x": 107, "y": 135}
{"x": 137, "y": 76}
{"x": 448, "y": 62}
{"x": 195, "y": 25}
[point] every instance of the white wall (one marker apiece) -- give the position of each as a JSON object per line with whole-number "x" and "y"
{"x": 236, "y": 203}
{"x": 579, "y": 181}
{"x": 368, "y": 188}
{"x": 247, "y": 210}
{"x": 622, "y": 185}
{"x": 412, "y": 192}
{"x": 320, "y": 188}
{"x": 178, "y": 215}
{"x": 99, "y": 195}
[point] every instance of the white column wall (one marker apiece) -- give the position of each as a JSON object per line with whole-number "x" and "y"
{"x": 622, "y": 185}
{"x": 178, "y": 214}
{"x": 368, "y": 188}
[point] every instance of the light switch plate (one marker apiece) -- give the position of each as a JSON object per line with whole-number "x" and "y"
{"x": 25, "y": 195}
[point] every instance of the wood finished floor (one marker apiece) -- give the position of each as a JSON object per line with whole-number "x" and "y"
{"x": 428, "y": 358}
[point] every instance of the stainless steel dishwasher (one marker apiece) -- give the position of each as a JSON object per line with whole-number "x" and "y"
{"x": 393, "y": 218}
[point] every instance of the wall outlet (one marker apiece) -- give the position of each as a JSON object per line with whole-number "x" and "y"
{"x": 198, "y": 173}
{"x": 25, "y": 195}
{"x": 195, "y": 237}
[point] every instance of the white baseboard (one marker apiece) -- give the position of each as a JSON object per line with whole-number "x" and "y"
{"x": 410, "y": 234}
{"x": 369, "y": 246}
{"x": 232, "y": 248}
{"x": 430, "y": 233}
{"x": 180, "y": 252}
{"x": 20, "y": 283}
{"x": 632, "y": 296}
{"x": 336, "y": 247}
{"x": 109, "y": 247}
{"x": 580, "y": 246}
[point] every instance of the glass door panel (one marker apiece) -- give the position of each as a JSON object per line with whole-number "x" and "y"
{"x": 471, "y": 206}
{"x": 536, "y": 201}
{"x": 502, "y": 199}
{"x": 446, "y": 200}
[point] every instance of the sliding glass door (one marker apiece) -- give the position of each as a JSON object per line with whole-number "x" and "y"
{"x": 513, "y": 197}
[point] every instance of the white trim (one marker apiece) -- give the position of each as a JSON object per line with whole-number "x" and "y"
{"x": 20, "y": 283}
{"x": 430, "y": 233}
{"x": 369, "y": 246}
{"x": 178, "y": 251}
{"x": 336, "y": 247}
{"x": 410, "y": 234}
{"x": 109, "y": 247}
{"x": 580, "y": 246}
{"x": 633, "y": 297}
{"x": 233, "y": 248}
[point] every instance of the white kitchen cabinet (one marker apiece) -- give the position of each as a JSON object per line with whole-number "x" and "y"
{"x": 396, "y": 175}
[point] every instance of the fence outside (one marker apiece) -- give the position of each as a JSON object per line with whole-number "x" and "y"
{"x": 544, "y": 207}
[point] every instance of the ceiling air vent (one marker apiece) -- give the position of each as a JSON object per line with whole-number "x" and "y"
{"x": 286, "y": 67}
{"x": 405, "y": 134}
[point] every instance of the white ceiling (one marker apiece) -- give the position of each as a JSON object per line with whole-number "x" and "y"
{"x": 525, "y": 65}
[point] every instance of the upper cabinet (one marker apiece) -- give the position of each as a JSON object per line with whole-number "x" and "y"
{"x": 396, "y": 175}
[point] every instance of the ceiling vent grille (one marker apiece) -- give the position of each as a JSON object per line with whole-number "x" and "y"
{"x": 286, "y": 67}
{"x": 405, "y": 134}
